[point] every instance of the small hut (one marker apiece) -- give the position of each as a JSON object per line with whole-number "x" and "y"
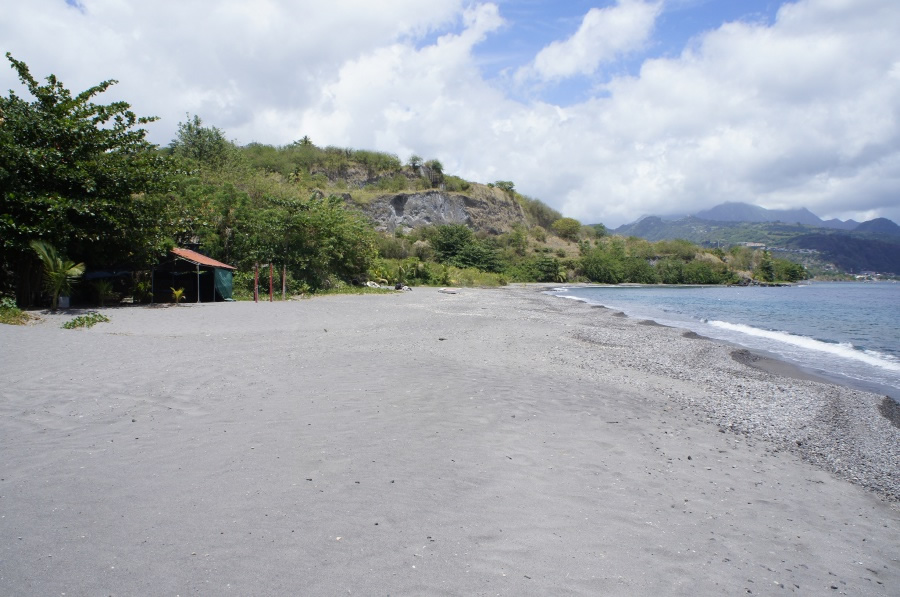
{"x": 204, "y": 279}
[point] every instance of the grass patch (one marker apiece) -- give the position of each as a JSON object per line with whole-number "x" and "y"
{"x": 351, "y": 290}
{"x": 472, "y": 277}
{"x": 10, "y": 314}
{"x": 85, "y": 321}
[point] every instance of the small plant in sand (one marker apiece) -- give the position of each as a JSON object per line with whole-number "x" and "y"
{"x": 85, "y": 321}
{"x": 10, "y": 314}
{"x": 177, "y": 294}
{"x": 59, "y": 274}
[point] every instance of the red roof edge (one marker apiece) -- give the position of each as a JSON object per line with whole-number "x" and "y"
{"x": 195, "y": 257}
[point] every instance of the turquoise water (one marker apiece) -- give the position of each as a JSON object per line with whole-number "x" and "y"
{"x": 849, "y": 332}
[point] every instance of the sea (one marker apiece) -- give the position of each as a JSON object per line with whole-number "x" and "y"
{"x": 848, "y": 332}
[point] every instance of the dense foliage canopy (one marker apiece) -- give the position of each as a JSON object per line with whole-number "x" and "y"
{"x": 78, "y": 175}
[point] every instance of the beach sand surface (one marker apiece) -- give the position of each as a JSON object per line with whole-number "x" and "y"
{"x": 490, "y": 442}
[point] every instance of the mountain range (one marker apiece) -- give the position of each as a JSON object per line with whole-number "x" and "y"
{"x": 832, "y": 244}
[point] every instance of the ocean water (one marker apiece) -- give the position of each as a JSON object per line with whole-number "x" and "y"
{"x": 847, "y": 332}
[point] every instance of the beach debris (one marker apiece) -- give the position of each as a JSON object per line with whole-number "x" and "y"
{"x": 449, "y": 290}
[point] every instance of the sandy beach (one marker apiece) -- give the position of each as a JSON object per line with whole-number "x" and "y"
{"x": 491, "y": 442}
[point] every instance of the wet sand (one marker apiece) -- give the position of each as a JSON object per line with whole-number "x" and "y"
{"x": 494, "y": 442}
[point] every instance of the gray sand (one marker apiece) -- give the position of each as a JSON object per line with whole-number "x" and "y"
{"x": 492, "y": 442}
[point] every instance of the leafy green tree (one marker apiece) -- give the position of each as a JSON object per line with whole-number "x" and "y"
{"x": 205, "y": 145}
{"x": 60, "y": 274}
{"x": 505, "y": 185}
{"x": 478, "y": 255}
{"x": 548, "y": 269}
{"x": 567, "y": 228}
{"x": 765, "y": 271}
{"x": 638, "y": 270}
{"x": 788, "y": 271}
{"x": 600, "y": 265}
{"x": 78, "y": 175}
{"x": 518, "y": 239}
{"x": 449, "y": 240}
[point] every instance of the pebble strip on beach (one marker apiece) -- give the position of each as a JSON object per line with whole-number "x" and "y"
{"x": 853, "y": 434}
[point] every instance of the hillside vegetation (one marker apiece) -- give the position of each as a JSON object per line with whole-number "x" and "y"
{"x": 80, "y": 177}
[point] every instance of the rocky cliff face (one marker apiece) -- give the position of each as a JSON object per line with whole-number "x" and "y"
{"x": 482, "y": 208}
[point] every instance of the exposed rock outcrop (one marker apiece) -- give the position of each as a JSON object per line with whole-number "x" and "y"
{"x": 482, "y": 208}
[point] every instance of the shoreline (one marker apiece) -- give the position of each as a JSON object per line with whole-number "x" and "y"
{"x": 494, "y": 440}
{"x": 766, "y": 359}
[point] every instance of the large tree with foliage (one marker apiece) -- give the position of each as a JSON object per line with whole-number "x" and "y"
{"x": 205, "y": 146}
{"x": 78, "y": 175}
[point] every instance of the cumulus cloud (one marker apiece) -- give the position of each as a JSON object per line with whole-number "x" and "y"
{"x": 604, "y": 34}
{"x": 235, "y": 63}
{"x": 802, "y": 111}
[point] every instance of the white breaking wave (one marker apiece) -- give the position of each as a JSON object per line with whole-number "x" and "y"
{"x": 846, "y": 351}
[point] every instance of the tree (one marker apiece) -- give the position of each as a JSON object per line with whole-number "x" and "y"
{"x": 788, "y": 271}
{"x": 77, "y": 175}
{"x": 449, "y": 240}
{"x": 765, "y": 271}
{"x": 59, "y": 274}
{"x": 205, "y": 145}
{"x": 505, "y": 185}
{"x": 603, "y": 266}
{"x": 567, "y": 228}
{"x": 639, "y": 271}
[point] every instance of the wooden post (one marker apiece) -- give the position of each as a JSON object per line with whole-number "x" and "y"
{"x": 198, "y": 282}
{"x": 284, "y": 282}
{"x": 255, "y": 282}
{"x": 271, "y": 297}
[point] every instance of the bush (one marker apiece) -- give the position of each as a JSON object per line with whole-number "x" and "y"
{"x": 670, "y": 271}
{"x": 10, "y": 314}
{"x": 705, "y": 272}
{"x": 788, "y": 271}
{"x": 455, "y": 184}
{"x": 567, "y": 228}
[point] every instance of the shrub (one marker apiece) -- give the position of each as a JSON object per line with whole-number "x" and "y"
{"x": 10, "y": 314}
{"x": 670, "y": 271}
{"x": 567, "y": 228}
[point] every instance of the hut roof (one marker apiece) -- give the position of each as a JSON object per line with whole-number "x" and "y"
{"x": 195, "y": 257}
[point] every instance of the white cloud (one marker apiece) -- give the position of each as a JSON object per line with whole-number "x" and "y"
{"x": 801, "y": 112}
{"x": 604, "y": 34}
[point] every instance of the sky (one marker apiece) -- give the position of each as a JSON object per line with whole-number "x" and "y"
{"x": 606, "y": 110}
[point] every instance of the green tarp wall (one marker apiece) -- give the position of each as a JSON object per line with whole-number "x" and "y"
{"x": 224, "y": 283}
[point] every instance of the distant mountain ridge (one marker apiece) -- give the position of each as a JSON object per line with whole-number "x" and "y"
{"x": 744, "y": 212}
{"x": 849, "y": 246}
